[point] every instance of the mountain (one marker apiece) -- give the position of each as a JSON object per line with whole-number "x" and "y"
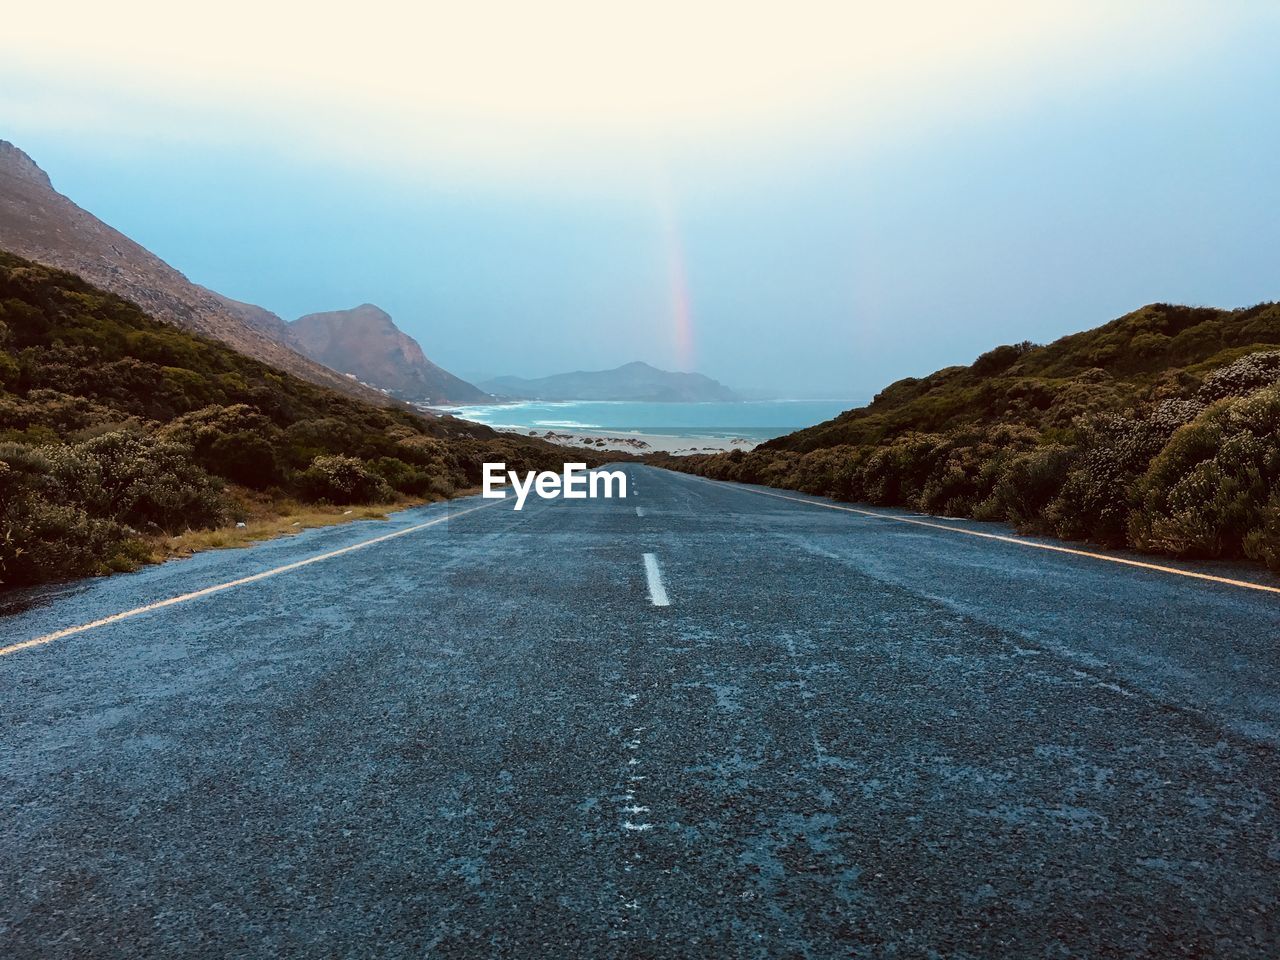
{"x": 366, "y": 343}
{"x": 1159, "y": 431}
{"x": 632, "y": 381}
{"x": 41, "y": 224}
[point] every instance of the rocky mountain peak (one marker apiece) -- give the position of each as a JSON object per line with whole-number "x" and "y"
{"x": 365, "y": 342}
{"x": 15, "y": 163}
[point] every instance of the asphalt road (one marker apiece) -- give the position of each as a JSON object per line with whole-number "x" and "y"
{"x": 843, "y": 736}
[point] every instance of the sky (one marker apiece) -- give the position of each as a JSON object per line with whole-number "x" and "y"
{"x": 806, "y": 199}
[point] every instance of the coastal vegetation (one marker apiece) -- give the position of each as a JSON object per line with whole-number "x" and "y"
{"x": 1159, "y": 431}
{"x": 121, "y": 438}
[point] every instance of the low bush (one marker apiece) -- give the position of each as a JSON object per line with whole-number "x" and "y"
{"x": 1209, "y": 489}
{"x": 1001, "y": 358}
{"x": 1241, "y": 377}
{"x": 1262, "y": 543}
{"x": 1096, "y": 497}
{"x": 896, "y": 473}
{"x": 37, "y": 537}
{"x": 1029, "y": 482}
{"x": 141, "y": 481}
{"x": 342, "y": 480}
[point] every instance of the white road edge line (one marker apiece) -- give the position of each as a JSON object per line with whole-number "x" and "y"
{"x": 1246, "y": 584}
{"x": 657, "y": 592}
{"x": 196, "y": 594}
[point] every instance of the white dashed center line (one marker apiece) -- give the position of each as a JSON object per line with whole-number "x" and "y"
{"x": 657, "y": 592}
{"x": 639, "y": 511}
{"x": 632, "y": 819}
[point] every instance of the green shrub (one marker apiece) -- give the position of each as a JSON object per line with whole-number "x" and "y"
{"x": 142, "y": 481}
{"x": 237, "y": 443}
{"x": 1095, "y": 499}
{"x": 1262, "y": 543}
{"x": 952, "y": 487}
{"x": 441, "y": 487}
{"x": 1029, "y": 483}
{"x": 1149, "y": 345}
{"x": 1001, "y": 358}
{"x": 967, "y": 468}
{"x": 128, "y": 556}
{"x": 1208, "y": 489}
{"x": 10, "y": 371}
{"x": 404, "y": 477}
{"x": 1241, "y": 377}
{"x": 39, "y": 539}
{"x": 245, "y": 458}
{"x": 24, "y": 461}
{"x": 896, "y": 474}
{"x": 339, "y": 479}
{"x": 830, "y": 471}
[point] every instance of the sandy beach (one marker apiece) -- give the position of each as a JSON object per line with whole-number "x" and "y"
{"x": 650, "y": 427}
{"x": 641, "y": 442}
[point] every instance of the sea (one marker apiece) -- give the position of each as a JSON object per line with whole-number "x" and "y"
{"x": 752, "y": 421}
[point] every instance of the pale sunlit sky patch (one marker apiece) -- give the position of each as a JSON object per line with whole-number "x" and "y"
{"x": 854, "y": 192}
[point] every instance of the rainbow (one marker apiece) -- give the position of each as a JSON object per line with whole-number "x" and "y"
{"x": 681, "y": 318}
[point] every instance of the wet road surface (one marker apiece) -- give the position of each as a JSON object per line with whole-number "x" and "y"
{"x": 841, "y": 736}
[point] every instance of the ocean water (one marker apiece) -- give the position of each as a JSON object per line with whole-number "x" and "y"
{"x": 753, "y": 420}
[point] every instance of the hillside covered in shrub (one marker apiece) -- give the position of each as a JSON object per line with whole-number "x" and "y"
{"x": 116, "y": 429}
{"x": 1158, "y": 431}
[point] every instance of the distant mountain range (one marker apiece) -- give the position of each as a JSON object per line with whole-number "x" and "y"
{"x": 360, "y": 351}
{"x": 632, "y": 381}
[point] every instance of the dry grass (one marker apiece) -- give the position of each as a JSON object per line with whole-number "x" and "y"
{"x": 266, "y": 519}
